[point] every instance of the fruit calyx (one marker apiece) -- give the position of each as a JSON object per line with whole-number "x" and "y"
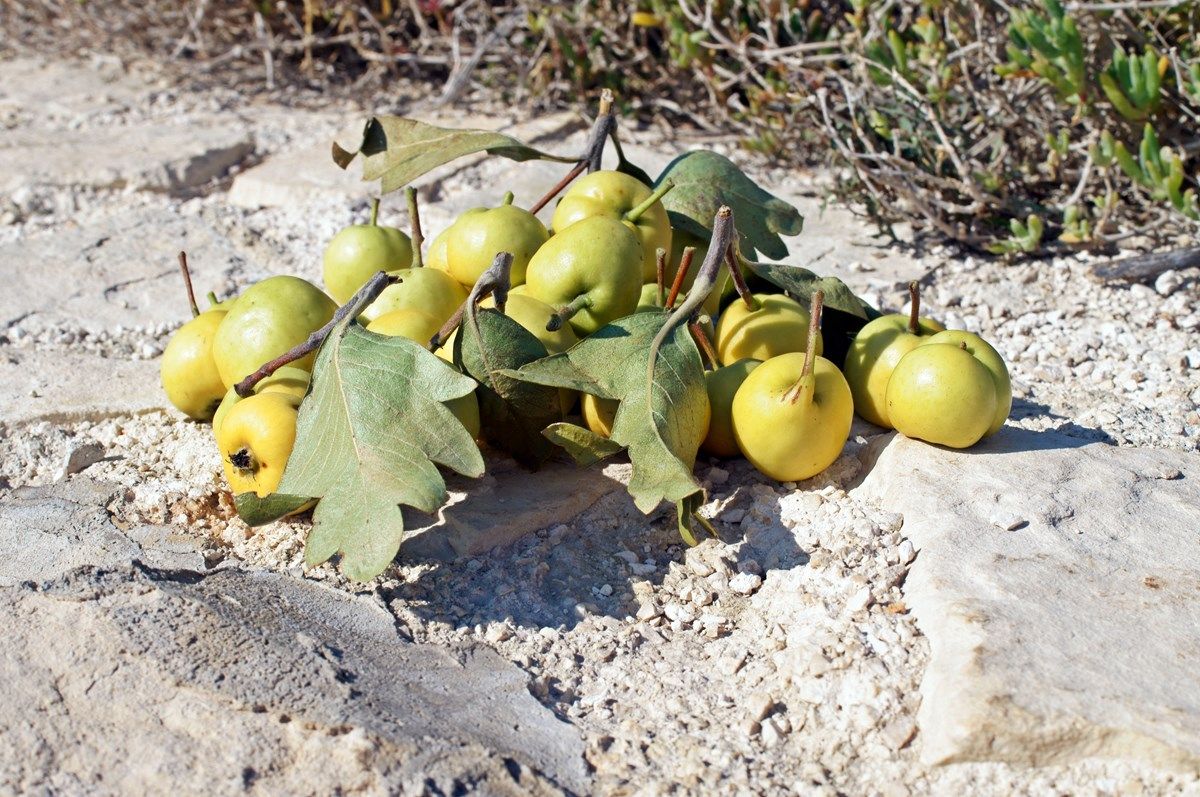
{"x": 804, "y": 385}
{"x": 244, "y": 461}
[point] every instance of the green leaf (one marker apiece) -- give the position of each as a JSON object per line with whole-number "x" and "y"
{"x": 802, "y": 283}
{"x": 397, "y": 150}
{"x": 661, "y": 417}
{"x": 512, "y": 412}
{"x": 255, "y": 511}
{"x": 687, "y": 513}
{"x": 704, "y": 181}
{"x": 585, "y": 446}
{"x": 369, "y": 438}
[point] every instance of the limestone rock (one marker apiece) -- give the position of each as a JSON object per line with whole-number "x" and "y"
{"x": 297, "y": 178}
{"x": 47, "y": 531}
{"x": 1075, "y": 635}
{"x": 62, "y": 386}
{"x": 121, "y": 272}
{"x": 173, "y": 158}
{"x": 243, "y": 680}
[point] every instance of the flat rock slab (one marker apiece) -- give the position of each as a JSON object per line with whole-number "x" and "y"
{"x": 67, "y": 91}
{"x": 173, "y": 158}
{"x": 122, "y": 271}
{"x": 240, "y": 680}
{"x": 48, "y": 531}
{"x": 506, "y": 504}
{"x": 1058, "y": 584}
{"x": 63, "y": 386}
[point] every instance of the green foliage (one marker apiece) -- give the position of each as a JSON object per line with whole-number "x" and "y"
{"x": 1026, "y": 237}
{"x": 1048, "y": 45}
{"x": 1157, "y": 169}
{"x": 1133, "y": 84}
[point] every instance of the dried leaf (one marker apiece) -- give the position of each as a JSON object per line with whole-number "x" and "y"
{"x": 397, "y": 150}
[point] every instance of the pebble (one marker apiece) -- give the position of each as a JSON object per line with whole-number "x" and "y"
{"x": 733, "y": 516}
{"x": 1168, "y": 282}
{"x": 1009, "y": 521}
{"x": 745, "y": 583}
{"x": 859, "y": 601}
{"x": 759, "y": 705}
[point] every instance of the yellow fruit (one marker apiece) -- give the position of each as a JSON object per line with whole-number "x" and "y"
{"x": 271, "y": 317}
{"x": 188, "y": 370}
{"x": 599, "y": 414}
{"x": 287, "y": 380}
{"x": 940, "y": 393}
{"x": 982, "y": 351}
{"x": 778, "y": 325}
{"x": 358, "y": 252}
{"x": 416, "y": 325}
{"x": 792, "y": 426}
{"x": 436, "y": 256}
{"x": 480, "y": 234}
{"x": 255, "y": 441}
{"x": 722, "y": 385}
{"x": 429, "y": 290}
{"x": 612, "y": 195}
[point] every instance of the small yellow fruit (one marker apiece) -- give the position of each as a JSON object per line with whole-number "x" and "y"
{"x": 599, "y": 413}
{"x": 287, "y": 380}
{"x": 188, "y": 370}
{"x": 789, "y": 425}
{"x": 416, "y": 325}
{"x": 427, "y": 289}
{"x": 941, "y": 394}
{"x": 436, "y": 256}
{"x": 722, "y": 385}
{"x": 255, "y": 441}
{"x": 981, "y": 350}
{"x": 778, "y": 325}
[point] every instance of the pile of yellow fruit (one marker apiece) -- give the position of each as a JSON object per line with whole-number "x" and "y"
{"x": 772, "y": 397}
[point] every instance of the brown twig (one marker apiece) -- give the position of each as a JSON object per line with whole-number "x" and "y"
{"x": 187, "y": 283}
{"x": 602, "y": 128}
{"x": 660, "y": 274}
{"x": 704, "y": 344}
{"x": 353, "y": 308}
{"x": 685, "y": 264}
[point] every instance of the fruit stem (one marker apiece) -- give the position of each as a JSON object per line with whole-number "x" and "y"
{"x": 704, "y": 344}
{"x": 374, "y": 212}
{"x": 810, "y": 354}
{"x": 187, "y": 283}
{"x": 735, "y": 260}
{"x": 212, "y": 298}
{"x": 508, "y": 198}
{"x": 636, "y": 213}
{"x": 914, "y": 305}
{"x": 660, "y": 275}
{"x": 414, "y": 216}
{"x": 685, "y": 264}
{"x": 565, "y": 314}
{"x": 351, "y": 309}
{"x": 493, "y": 282}
{"x": 602, "y": 128}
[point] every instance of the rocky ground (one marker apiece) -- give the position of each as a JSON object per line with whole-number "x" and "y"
{"x": 1016, "y": 619}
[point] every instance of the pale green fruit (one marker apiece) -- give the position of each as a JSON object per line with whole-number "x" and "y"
{"x": 466, "y": 409}
{"x": 429, "y": 290}
{"x": 873, "y": 355}
{"x": 792, "y": 427}
{"x": 358, "y": 252}
{"x": 267, "y": 320}
{"x": 722, "y": 385}
{"x": 778, "y": 325}
{"x": 594, "y": 265}
{"x": 613, "y": 194}
{"x": 478, "y": 235}
{"x": 188, "y": 369}
{"x": 942, "y": 394}
{"x": 981, "y": 350}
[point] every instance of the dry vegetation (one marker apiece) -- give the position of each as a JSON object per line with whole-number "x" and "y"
{"x": 1008, "y": 127}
